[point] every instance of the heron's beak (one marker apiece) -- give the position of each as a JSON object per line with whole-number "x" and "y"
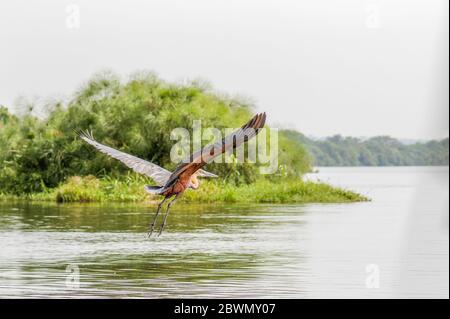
{"x": 202, "y": 173}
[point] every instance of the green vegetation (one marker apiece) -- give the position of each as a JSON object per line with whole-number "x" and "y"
{"x": 376, "y": 151}
{"x": 129, "y": 189}
{"x": 41, "y": 156}
{"x": 265, "y": 191}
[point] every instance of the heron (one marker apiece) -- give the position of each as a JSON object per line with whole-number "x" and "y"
{"x": 171, "y": 185}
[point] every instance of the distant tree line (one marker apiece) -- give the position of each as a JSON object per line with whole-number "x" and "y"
{"x": 376, "y": 151}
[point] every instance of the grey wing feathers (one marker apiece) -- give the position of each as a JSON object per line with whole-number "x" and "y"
{"x": 157, "y": 173}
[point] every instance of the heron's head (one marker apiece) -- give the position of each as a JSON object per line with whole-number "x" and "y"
{"x": 194, "y": 182}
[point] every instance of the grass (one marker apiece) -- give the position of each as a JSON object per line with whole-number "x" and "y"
{"x": 130, "y": 189}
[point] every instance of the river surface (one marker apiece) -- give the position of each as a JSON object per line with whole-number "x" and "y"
{"x": 397, "y": 245}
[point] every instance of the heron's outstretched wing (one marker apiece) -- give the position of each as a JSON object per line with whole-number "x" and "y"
{"x": 204, "y": 156}
{"x": 157, "y": 173}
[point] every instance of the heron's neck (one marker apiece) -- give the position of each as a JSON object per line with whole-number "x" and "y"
{"x": 194, "y": 182}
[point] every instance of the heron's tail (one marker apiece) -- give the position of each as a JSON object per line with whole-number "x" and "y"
{"x": 153, "y": 189}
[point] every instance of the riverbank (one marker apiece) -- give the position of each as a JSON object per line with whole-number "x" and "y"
{"x": 91, "y": 189}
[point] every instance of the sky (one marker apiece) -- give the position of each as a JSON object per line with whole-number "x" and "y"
{"x": 350, "y": 67}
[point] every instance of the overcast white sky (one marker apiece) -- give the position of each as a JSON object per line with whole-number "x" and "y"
{"x": 352, "y": 67}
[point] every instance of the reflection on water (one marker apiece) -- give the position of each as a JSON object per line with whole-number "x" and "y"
{"x": 232, "y": 250}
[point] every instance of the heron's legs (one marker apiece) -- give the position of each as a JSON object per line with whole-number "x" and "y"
{"x": 167, "y": 214}
{"x": 152, "y": 225}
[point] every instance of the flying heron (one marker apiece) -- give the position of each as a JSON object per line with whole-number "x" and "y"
{"x": 185, "y": 175}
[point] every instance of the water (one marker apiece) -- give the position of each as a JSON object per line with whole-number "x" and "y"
{"x": 397, "y": 245}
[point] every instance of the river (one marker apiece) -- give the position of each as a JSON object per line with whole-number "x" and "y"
{"x": 395, "y": 246}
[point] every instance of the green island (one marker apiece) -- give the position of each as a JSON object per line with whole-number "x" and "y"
{"x": 43, "y": 159}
